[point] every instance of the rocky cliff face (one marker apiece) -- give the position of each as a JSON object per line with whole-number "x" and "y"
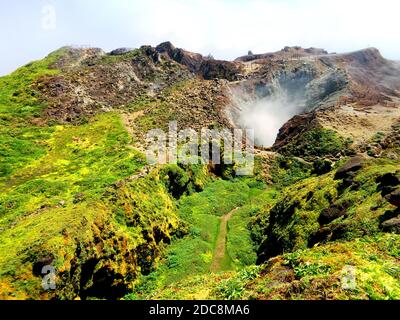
{"x": 336, "y": 90}
{"x": 339, "y": 88}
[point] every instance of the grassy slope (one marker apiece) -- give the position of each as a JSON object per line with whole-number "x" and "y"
{"x": 20, "y": 141}
{"x": 318, "y": 272}
{"x": 241, "y": 246}
{"x": 63, "y": 186}
{"x": 308, "y": 272}
{"x": 310, "y": 196}
{"x": 314, "y": 273}
{"x": 58, "y": 182}
{"x": 192, "y": 255}
{"x": 53, "y": 181}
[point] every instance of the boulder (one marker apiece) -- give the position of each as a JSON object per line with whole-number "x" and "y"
{"x": 120, "y": 51}
{"x": 321, "y": 235}
{"x": 332, "y": 213}
{"x": 388, "y": 182}
{"x": 152, "y": 53}
{"x": 186, "y": 58}
{"x": 166, "y": 47}
{"x": 218, "y": 69}
{"x": 389, "y": 179}
{"x": 392, "y": 225}
{"x": 394, "y": 198}
{"x": 322, "y": 166}
{"x": 350, "y": 167}
{"x": 328, "y": 233}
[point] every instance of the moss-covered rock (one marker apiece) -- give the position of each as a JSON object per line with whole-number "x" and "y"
{"x": 316, "y": 142}
{"x": 319, "y": 209}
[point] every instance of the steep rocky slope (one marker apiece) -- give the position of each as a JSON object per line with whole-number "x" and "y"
{"x": 344, "y": 92}
{"x": 77, "y": 193}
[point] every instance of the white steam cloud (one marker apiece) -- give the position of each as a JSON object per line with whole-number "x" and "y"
{"x": 266, "y": 116}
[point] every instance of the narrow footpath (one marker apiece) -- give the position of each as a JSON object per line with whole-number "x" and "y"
{"x": 220, "y": 247}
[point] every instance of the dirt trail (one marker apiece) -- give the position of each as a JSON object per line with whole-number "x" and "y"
{"x": 128, "y": 120}
{"x": 220, "y": 246}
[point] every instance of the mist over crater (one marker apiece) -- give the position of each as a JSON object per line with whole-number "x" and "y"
{"x": 266, "y": 116}
{"x": 265, "y": 105}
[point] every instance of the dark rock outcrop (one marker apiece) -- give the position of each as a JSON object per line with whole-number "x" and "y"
{"x": 292, "y": 128}
{"x": 186, "y": 58}
{"x": 152, "y": 53}
{"x": 217, "y": 69}
{"x": 394, "y": 197}
{"x": 322, "y": 166}
{"x": 328, "y": 233}
{"x": 40, "y": 263}
{"x": 120, "y": 51}
{"x": 350, "y": 167}
{"x": 392, "y": 225}
{"x": 388, "y": 182}
{"x": 332, "y": 213}
{"x": 389, "y": 179}
{"x": 295, "y": 52}
{"x": 208, "y": 68}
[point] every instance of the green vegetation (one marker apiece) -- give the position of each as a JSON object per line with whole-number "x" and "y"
{"x": 79, "y": 159}
{"x": 18, "y": 95}
{"x": 316, "y": 143}
{"x": 193, "y": 254}
{"x": 81, "y": 198}
{"x": 184, "y": 179}
{"x": 233, "y": 288}
{"x": 63, "y": 186}
{"x": 294, "y": 219}
{"x": 318, "y": 272}
{"x": 109, "y": 59}
{"x": 20, "y": 103}
{"x": 242, "y": 242}
{"x": 288, "y": 170}
{"x": 315, "y": 262}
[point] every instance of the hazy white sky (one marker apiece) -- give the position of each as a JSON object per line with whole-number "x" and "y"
{"x": 30, "y": 29}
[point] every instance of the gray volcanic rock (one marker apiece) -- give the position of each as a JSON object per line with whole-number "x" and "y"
{"x": 189, "y": 59}
{"x": 120, "y": 51}
{"x": 330, "y": 83}
{"x": 296, "y": 52}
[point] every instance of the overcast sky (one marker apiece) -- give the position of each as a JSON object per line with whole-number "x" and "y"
{"x": 30, "y": 29}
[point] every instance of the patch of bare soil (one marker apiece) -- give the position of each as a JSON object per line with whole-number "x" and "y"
{"x": 361, "y": 124}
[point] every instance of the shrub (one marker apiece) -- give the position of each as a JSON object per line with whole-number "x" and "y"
{"x": 315, "y": 143}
